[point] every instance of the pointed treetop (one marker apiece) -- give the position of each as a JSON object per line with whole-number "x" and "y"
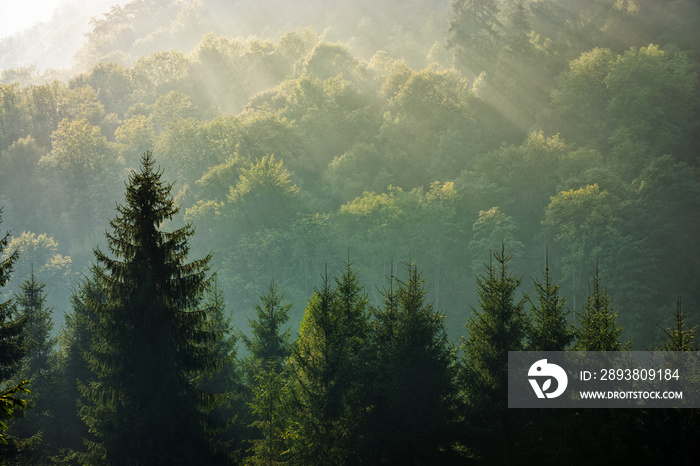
{"x": 680, "y": 337}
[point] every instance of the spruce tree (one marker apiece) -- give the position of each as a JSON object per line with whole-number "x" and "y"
{"x": 37, "y": 365}
{"x": 412, "y": 390}
{"x": 663, "y": 430}
{"x": 269, "y": 345}
{"x": 601, "y": 431}
{"x": 12, "y": 349}
{"x": 328, "y": 370}
{"x": 498, "y": 326}
{"x": 548, "y": 329}
{"x": 232, "y": 414}
{"x": 151, "y": 340}
{"x": 40, "y": 343}
{"x": 680, "y": 337}
{"x": 269, "y": 349}
{"x": 597, "y": 321}
{"x": 75, "y": 341}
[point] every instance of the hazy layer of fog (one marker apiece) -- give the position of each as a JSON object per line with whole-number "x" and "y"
{"x": 363, "y": 104}
{"x": 82, "y": 33}
{"x": 51, "y": 43}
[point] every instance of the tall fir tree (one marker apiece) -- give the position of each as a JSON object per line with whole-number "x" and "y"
{"x": 665, "y": 429}
{"x": 498, "y": 326}
{"x": 597, "y": 321}
{"x": 37, "y": 366}
{"x": 601, "y": 431}
{"x": 679, "y": 337}
{"x": 75, "y": 341}
{"x": 328, "y": 368}
{"x": 412, "y": 388}
{"x": 549, "y": 329}
{"x": 38, "y": 330}
{"x": 151, "y": 340}
{"x": 12, "y": 350}
{"x": 232, "y": 415}
{"x": 269, "y": 349}
{"x": 269, "y": 344}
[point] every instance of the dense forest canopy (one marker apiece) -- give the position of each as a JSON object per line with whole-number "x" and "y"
{"x": 436, "y": 136}
{"x": 466, "y": 139}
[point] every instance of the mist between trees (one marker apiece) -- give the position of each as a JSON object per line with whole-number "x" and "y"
{"x": 547, "y": 146}
{"x": 147, "y": 369}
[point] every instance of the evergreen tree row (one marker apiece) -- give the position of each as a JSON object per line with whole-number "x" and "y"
{"x": 147, "y": 370}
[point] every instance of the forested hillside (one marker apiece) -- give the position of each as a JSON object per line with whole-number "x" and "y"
{"x": 385, "y": 169}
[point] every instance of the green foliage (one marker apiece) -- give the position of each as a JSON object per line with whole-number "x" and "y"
{"x": 498, "y": 326}
{"x": 412, "y": 390}
{"x": 269, "y": 349}
{"x": 264, "y": 179}
{"x": 12, "y": 346}
{"x": 428, "y": 110}
{"x": 579, "y": 103}
{"x": 435, "y": 96}
{"x": 327, "y": 367}
{"x": 19, "y": 178}
{"x": 597, "y": 328}
{"x": 358, "y": 170}
{"x": 650, "y": 105}
{"x": 41, "y": 252}
{"x": 81, "y": 103}
{"x": 113, "y": 85}
{"x": 530, "y": 171}
{"x": 665, "y": 193}
{"x": 171, "y": 108}
{"x": 79, "y": 145}
{"x": 38, "y": 365}
{"x": 492, "y": 228}
{"x": 581, "y": 221}
{"x": 229, "y": 72}
{"x": 159, "y": 74}
{"x": 184, "y": 146}
{"x": 576, "y": 119}
{"x": 680, "y": 337}
{"x": 135, "y": 136}
{"x": 150, "y": 337}
{"x": 38, "y": 329}
{"x": 9, "y": 402}
{"x": 231, "y": 416}
{"x": 271, "y": 418}
{"x": 636, "y": 105}
{"x": 10, "y": 114}
{"x": 72, "y": 368}
{"x": 269, "y": 344}
{"x": 549, "y": 328}
{"x": 473, "y": 34}
{"x": 329, "y": 60}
